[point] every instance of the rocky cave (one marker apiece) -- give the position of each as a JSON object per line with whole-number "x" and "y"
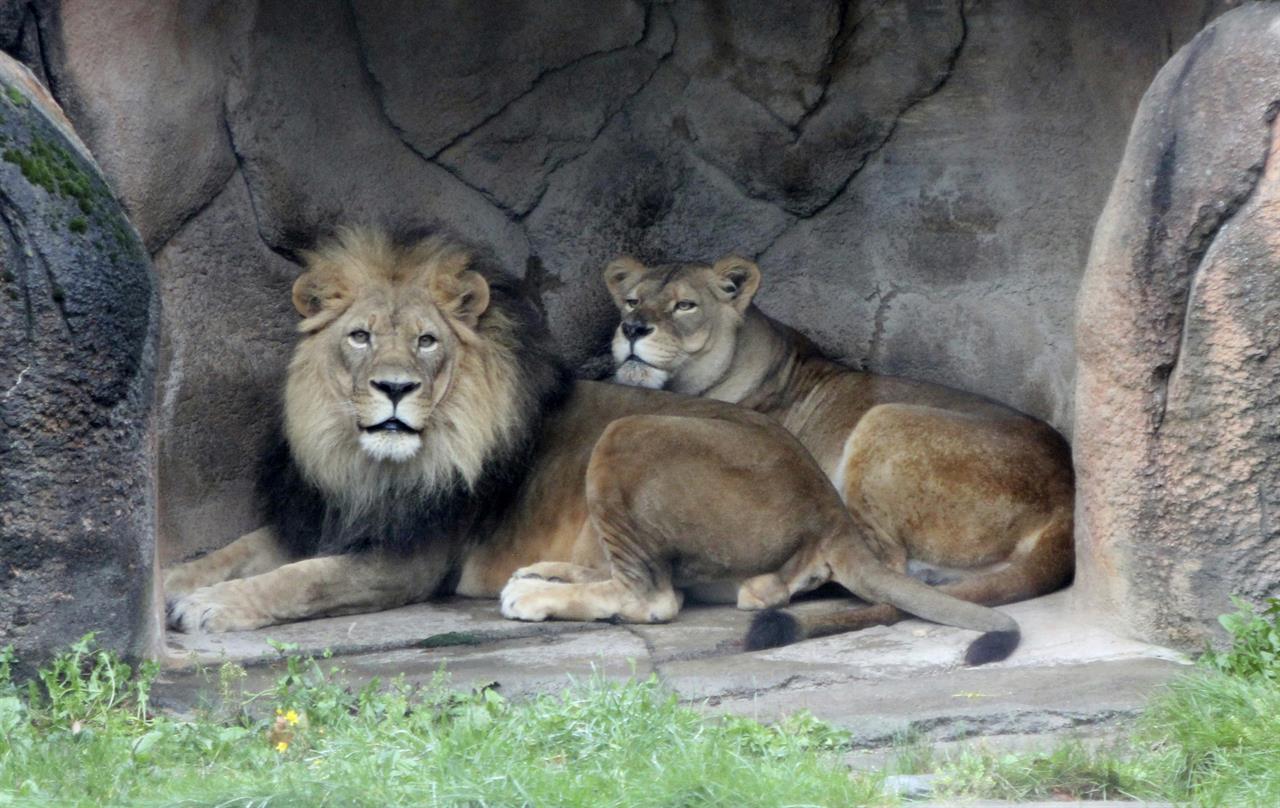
{"x": 1068, "y": 207}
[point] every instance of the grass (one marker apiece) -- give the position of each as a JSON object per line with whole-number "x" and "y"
{"x": 85, "y": 734}
{"x": 1211, "y": 738}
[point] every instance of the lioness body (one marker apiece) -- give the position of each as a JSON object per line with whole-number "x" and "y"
{"x": 962, "y": 490}
{"x": 430, "y": 445}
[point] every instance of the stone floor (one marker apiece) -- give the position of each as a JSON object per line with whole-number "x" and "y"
{"x": 1067, "y": 677}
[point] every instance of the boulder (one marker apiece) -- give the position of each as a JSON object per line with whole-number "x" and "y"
{"x": 1178, "y": 335}
{"x": 79, "y": 319}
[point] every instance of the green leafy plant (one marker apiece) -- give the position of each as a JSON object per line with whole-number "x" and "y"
{"x": 85, "y": 687}
{"x": 1255, "y": 642}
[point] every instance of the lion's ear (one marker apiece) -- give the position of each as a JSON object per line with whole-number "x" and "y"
{"x": 620, "y": 275}
{"x": 460, "y": 293}
{"x": 319, "y": 297}
{"x": 736, "y": 279}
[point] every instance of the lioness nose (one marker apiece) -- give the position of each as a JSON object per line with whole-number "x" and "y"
{"x": 395, "y": 390}
{"x": 634, "y": 331}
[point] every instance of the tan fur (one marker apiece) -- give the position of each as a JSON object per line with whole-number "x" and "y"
{"x": 972, "y": 493}
{"x": 632, "y": 496}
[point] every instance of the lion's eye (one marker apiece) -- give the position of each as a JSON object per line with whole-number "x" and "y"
{"x": 632, "y": 302}
{"x": 686, "y": 305}
{"x": 426, "y": 342}
{"x": 359, "y": 338}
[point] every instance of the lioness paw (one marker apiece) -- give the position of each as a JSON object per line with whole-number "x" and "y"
{"x": 214, "y": 609}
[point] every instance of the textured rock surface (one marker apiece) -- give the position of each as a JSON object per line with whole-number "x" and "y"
{"x": 1179, "y": 329}
{"x": 79, "y": 322}
{"x": 918, "y": 179}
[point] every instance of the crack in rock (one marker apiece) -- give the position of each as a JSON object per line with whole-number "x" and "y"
{"x": 536, "y": 82}
{"x": 1209, "y": 221}
{"x": 943, "y": 79}
{"x": 288, "y": 255}
{"x": 844, "y": 34}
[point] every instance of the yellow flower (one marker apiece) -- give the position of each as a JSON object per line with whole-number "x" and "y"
{"x": 291, "y": 717}
{"x": 282, "y": 746}
{"x": 279, "y": 711}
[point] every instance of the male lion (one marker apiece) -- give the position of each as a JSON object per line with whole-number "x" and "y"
{"x": 961, "y": 490}
{"x": 431, "y": 443}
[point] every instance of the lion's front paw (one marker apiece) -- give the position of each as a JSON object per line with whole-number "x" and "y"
{"x": 528, "y": 599}
{"x": 214, "y": 609}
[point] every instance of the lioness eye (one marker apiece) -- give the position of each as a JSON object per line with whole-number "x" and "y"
{"x": 632, "y": 302}
{"x": 686, "y": 305}
{"x": 426, "y": 342}
{"x": 358, "y": 338}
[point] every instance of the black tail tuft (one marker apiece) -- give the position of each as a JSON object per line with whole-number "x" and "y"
{"x": 992, "y": 647}
{"x": 772, "y": 628}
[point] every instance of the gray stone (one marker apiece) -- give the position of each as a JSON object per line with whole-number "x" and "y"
{"x": 1178, "y": 402}
{"x": 1068, "y": 678}
{"x": 228, "y": 336}
{"x": 799, "y": 149}
{"x": 21, "y": 34}
{"x": 513, "y": 155}
{"x": 12, "y": 15}
{"x": 447, "y": 69}
{"x": 450, "y": 626}
{"x": 302, "y": 68}
{"x": 79, "y": 319}
{"x": 153, "y": 111}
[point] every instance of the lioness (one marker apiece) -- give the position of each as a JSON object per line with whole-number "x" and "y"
{"x": 965, "y": 492}
{"x": 431, "y": 443}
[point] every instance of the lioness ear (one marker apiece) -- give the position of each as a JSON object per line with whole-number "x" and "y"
{"x": 737, "y": 280}
{"x": 460, "y": 293}
{"x": 620, "y": 275}
{"x": 319, "y": 297}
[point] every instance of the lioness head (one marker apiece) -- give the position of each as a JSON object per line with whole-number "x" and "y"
{"x": 409, "y": 376}
{"x": 679, "y": 322}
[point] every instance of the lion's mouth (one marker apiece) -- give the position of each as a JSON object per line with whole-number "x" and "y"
{"x": 392, "y": 424}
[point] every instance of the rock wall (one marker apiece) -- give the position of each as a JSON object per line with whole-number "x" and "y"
{"x": 918, "y": 178}
{"x": 1178, "y": 404}
{"x": 79, "y": 321}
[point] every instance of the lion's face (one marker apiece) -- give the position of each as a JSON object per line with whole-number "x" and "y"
{"x": 679, "y": 323}
{"x": 394, "y": 351}
{"x": 373, "y": 385}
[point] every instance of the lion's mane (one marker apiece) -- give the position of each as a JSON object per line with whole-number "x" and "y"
{"x": 322, "y": 495}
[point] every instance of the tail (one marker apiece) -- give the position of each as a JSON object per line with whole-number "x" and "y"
{"x": 777, "y": 627}
{"x": 1044, "y": 567}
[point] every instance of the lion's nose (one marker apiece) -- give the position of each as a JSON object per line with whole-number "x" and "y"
{"x": 634, "y": 331}
{"x": 395, "y": 390}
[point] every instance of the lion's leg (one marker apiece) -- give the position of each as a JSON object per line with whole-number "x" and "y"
{"x": 314, "y": 587}
{"x": 561, "y": 572}
{"x": 251, "y": 554}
